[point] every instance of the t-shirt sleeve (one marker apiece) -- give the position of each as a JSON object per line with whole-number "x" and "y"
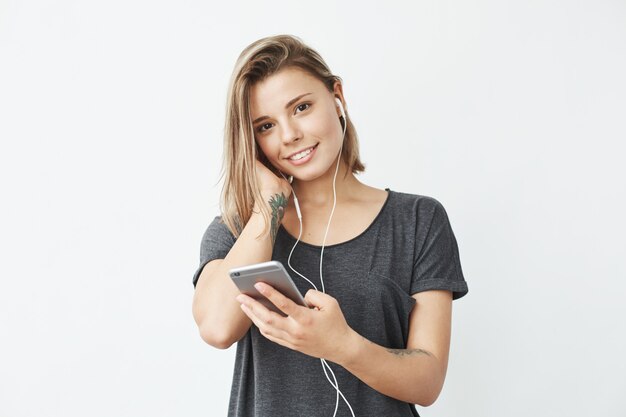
{"x": 216, "y": 243}
{"x": 437, "y": 265}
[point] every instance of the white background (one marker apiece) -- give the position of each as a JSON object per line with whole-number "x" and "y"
{"x": 511, "y": 113}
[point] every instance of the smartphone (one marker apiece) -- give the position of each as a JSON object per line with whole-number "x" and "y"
{"x": 272, "y": 273}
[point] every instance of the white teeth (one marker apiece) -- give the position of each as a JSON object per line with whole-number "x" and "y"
{"x": 301, "y": 154}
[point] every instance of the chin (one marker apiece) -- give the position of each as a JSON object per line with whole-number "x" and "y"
{"x": 313, "y": 174}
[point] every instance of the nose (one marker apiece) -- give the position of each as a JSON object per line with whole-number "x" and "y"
{"x": 291, "y": 132}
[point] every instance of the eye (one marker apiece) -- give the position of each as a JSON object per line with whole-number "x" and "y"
{"x": 260, "y": 128}
{"x": 303, "y": 104}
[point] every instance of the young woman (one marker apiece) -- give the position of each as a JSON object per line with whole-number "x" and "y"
{"x": 385, "y": 263}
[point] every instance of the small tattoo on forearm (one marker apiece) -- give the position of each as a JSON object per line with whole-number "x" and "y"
{"x": 277, "y": 203}
{"x": 409, "y": 352}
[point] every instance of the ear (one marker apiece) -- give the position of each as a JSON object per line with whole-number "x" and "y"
{"x": 338, "y": 93}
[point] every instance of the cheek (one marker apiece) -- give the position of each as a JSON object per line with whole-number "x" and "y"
{"x": 323, "y": 125}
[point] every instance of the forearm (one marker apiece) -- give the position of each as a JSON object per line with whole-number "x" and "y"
{"x": 215, "y": 309}
{"x": 411, "y": 375}
{"x": 217, "y": 313}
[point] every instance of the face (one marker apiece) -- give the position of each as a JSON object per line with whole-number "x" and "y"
{"x": 296, "y": 123}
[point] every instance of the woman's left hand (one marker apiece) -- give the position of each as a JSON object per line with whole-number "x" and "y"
{"x": 321, "y": 331}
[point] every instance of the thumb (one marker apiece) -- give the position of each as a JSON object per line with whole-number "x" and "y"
{"x": 318, "y": 299}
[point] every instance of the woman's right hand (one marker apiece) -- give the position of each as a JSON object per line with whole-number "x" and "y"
{"x": 275, "y": 191}
{"x": 269, "y": 183}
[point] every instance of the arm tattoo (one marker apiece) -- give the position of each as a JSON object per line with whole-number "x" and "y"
{"x": 277, "y": 203}
{"x": 406, "y": 352}
{"x": 409, "y": 352}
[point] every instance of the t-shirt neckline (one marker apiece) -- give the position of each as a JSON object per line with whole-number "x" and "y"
{"x": 378, "y": 216}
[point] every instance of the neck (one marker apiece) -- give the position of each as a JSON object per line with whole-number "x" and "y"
{"x": 319, "y": 192}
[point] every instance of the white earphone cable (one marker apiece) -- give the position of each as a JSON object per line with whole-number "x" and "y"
{"x": 323, "y": 361}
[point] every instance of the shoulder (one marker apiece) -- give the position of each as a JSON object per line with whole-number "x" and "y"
{"x": 417, "y": 214}
{"x": 217, "y": 229}
{"x": 414, "y": 203}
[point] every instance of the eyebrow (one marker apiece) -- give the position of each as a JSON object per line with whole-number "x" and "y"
{"x": 293, "y": 100}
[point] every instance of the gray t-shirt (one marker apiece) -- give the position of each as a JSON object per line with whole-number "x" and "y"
{"x": 408, "y": 248}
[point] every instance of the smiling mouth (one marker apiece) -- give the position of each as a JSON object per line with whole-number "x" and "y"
{"x": 302, "y": 154}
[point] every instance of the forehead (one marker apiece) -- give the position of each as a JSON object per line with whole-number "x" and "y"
{"x": 276, "y": 90}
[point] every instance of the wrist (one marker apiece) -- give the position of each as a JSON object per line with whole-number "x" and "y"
{"x": 273, "y": 192}
{"x": 351, "y": 349}
{"x": 274, "y": 204}
{"x": 271, "y": 200}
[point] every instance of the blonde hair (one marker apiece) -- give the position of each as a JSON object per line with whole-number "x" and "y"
{"x": 256, "y": 62}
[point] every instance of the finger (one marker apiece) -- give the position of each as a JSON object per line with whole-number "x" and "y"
{"x": 284, "y": 304}
{"x": 264, "y": 317}
{"x": 319, "y": 299}
{"x": 278, "y": 340}
{"x": 266, "y": 329}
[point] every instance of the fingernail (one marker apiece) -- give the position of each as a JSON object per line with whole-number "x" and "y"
{"x": 260, "y": 287}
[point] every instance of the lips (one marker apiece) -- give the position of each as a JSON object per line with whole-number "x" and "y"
{"x": 302, "y": 150}
{"x": 306, "y": 158}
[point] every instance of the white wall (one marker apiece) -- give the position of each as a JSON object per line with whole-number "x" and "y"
{"x": 511, "y": 113}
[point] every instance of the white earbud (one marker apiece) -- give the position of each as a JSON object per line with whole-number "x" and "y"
{"x": 343, "y": 113}
{"x": 295, "y": 198}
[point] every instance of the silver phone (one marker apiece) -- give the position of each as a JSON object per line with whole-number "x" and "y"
{"x": 272, "y": 273}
